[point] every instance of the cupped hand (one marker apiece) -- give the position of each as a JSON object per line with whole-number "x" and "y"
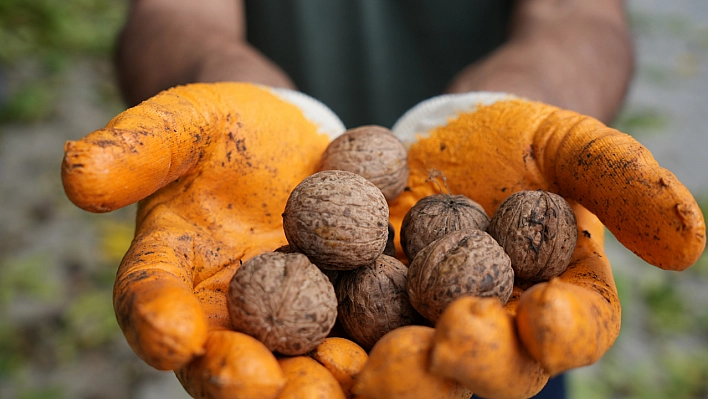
{"x": 212, "y": 166}
{"x": 488, "y": 146}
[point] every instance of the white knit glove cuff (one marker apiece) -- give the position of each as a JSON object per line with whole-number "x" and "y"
{"x": 314, "y": 110}
{"x": 437, "y": 111}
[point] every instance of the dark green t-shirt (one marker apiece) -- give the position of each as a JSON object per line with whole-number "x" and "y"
{"x": 371, "y": 60}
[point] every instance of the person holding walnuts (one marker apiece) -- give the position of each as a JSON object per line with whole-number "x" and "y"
{"x": 498, "y": 96}
{"x": 364, "y": 55}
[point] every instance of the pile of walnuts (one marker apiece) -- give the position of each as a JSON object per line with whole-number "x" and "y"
{"x": 338, "y": 268}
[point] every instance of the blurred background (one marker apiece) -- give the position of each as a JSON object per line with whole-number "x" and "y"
{"x": 58, "y": 334}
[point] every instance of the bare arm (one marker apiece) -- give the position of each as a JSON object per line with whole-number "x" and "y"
{"x": 576, "y": 54}
{"x": 169, "y": 42}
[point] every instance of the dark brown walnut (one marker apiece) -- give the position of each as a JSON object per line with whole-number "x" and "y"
{"x": 538, "y": 231}
{"x": 284, "y": 301}
{"x": 338, "y": 219}
{"x": 372, "y": 152}
{"x": 436, "y": 215}
{"x": 373, "y": 300}
{"x": 464, "y": 262}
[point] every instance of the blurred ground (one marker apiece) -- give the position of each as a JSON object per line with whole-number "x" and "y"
{"x": 58, "y": 335}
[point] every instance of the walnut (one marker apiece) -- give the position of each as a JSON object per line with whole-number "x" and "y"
{"x": 538, "y": 231}
{"x": 464, "y": 262}
{"x": 372, "y": 152}
{"x": 338, "y": 219}
{"x": 436, "y": 215}
{"x": 282, "y": 300}
{"x": 373, "y": 300}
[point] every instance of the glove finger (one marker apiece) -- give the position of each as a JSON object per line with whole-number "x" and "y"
{"x": 234, "y": 365}
{"x": 308, "y": 378}
{"x": 644, "y": 205}
{"x": 343, "y": 358}
{"x": 161, "y": 318}
{"x": 398, "y": 368}
{"x": 150, "y": 145}
{"x": 572, "y": 320}
{"x": 476, "y": 344}
{"x": 141, "y": 149}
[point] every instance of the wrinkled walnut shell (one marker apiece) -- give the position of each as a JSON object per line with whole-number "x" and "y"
{"x": 373, "y": 300}
{"x": 372, "y": 152}
{"x": 464, "y": 262}
{"x": 538, "y": 231}
{"x": 338, "y": 219}
{"x": 436, "y": 215}
{"x": 282, "y": 300}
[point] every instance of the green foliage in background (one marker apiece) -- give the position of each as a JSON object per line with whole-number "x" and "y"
{"x": 700, "y": 269}
{"x": 672, "y": 372}
{"x": 76, "y": 316}
{"x": 54, "y": 311}
{"x": 39, "y": 39}
{"x": 53, "y": 31}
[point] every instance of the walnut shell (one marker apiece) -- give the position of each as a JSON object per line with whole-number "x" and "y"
{"x": 538, "y": 231}
{"x": 338, "y": 219}
{"x": 282, "y": 300}
{"x": 373, "y": 152}
{"x": 373, "y": 300}
{"x": 436, "y": 215}
{"x": 464, "y": 262}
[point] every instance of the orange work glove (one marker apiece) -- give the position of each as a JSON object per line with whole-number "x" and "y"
{"x": 490, "y": 145}
{"x": 212, "y": 166}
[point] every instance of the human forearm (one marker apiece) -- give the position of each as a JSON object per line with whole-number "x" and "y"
{"x": 569, "y": 55}
{"x": 169, "y": 42}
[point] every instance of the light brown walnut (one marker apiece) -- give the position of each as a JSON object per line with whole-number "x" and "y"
{"x": 338, "y": 219}
{"x": 373, "y": 152}
{"x": 284, "y": 301}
